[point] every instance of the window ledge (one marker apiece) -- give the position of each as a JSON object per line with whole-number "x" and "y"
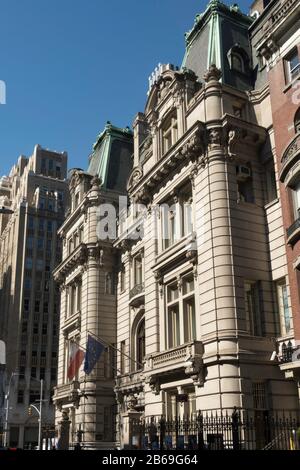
{"x": 290, "y": 84}
{"x": 271, "y": 203}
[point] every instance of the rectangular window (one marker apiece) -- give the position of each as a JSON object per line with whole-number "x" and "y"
{"x": 20, "y": 396}
{"x": 271, "y": 188}
{"x": 186, "y": 205}
{"x": 181, "y": 311}
{"x": 31, "y": 223}
{"x": 77, "y": 199}
{"x": 42, "y": 203}
{"x": 169, "y": 132}
{"x": 122, "y": 356}
{"x": 79, "y": 295}
{"x": 28, "y": 263}
{"x": 259, "y": 396}
{"x": 252, "y": 308}
{"x": 41, "y": 224}
{"x": 73, "y": 300}
{"x": 138, "y": 269}
{"x": 189, "y": 320}
{"x": 109, "y": 287}
{"x": 122, "y": 278}
{"x": 296, "y": 199}
{"x": 29, "y": 243}
{"x": 177, "y": 216}
{"x": 173, "y": 326}
{"x": 283, "y": 307}
{"x": 53, "y": 373}
{"x": 169, "y": 215}
{"x": 292, "y": 65}
{"x": 26, "y": 305}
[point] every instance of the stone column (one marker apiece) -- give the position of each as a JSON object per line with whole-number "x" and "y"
{"x": 64, "y": 432}
{"x": 215, "y": 261}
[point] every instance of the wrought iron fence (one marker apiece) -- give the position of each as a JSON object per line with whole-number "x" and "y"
{"x": 240, "y": 430}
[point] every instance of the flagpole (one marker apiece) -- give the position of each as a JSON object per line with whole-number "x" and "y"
{"x": 114, "y": 347}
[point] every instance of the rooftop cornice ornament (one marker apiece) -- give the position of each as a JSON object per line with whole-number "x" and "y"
{"x": 212, "y": 74}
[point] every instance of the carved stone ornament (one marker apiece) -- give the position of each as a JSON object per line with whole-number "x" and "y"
{"x": 132, "y": 402}
{"x": 178, "y": 94}
{"x": 154, "y": 384}
{"x": 96, "y": 182}
{"x": 212, "y": 74}
{"x": 135, "y": 177}
{"x": 233, "y": 137}
{"x": 193, "y": 147}
{"x": 215, "y": 137}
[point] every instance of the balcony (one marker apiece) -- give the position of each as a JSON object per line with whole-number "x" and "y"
{"x": 71, "y": 323}
{"x": 293, "y": 232}
{"x": 290, "y": 162}
{"x": 137, "y": 295}
{"x": 132, "y": 382}
{"x": 289, "y": 362}
{"x": 184, "y": 361}
{"x": 67, "y": 393}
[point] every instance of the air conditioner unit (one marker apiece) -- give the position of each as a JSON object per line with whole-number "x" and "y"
{"x": 296, "y": 355}
{"x": 243, "y": 172}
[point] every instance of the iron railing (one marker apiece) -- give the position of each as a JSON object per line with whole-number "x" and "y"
{"x": 240, "y": 430}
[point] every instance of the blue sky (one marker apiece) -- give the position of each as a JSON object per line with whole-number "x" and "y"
{"x": 71, "y": 65}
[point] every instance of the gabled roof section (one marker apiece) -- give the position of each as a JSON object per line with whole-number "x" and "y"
{"x": 111, "y": 159}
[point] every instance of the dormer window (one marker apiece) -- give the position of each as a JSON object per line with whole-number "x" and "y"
{"x": 238, "y": 59}
{"x": 169, "y": 132}
{"x": 237, "y": 62}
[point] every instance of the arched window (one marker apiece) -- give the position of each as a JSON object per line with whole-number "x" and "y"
{"x": 237, "y": 62}
{"x": 140, "y": 343}
{"x": 297, "y": 121}
{"x": 238, "y": 59}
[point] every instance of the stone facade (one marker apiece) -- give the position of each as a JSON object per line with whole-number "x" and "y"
{"x": 85, "y": 404}
{"x": 34, "y": 197}
{"x": 204, "y": 295}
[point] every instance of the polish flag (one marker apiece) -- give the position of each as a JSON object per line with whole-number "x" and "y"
{"x": 76, "y": 356}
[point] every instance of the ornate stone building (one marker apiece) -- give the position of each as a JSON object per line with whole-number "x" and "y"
{"x": 33, "y": 199}
{"x": 206, "y": 284}
{"x": 85, "y": 404}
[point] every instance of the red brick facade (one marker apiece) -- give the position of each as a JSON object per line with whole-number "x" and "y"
{"x": 283, "y": 111}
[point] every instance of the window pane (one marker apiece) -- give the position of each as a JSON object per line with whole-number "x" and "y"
{"x": 188, "y": 284}
{"x": 284, "y": 311}
{"x": 189, "y": 320}
{"x": 172, "y": 292}
{"x": 253, "y": 319}
{"x": 173, "y": 326}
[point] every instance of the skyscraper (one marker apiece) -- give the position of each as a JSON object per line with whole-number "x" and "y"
{"x": 34, "y": 197}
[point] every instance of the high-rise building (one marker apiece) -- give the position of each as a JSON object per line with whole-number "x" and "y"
{"x": 85, "y": 403}
{"x": 32, "y": 199}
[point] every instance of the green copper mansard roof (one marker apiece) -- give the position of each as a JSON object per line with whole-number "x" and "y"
{"x": 215, "y": 32}
{"x": 111, "y": 158}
